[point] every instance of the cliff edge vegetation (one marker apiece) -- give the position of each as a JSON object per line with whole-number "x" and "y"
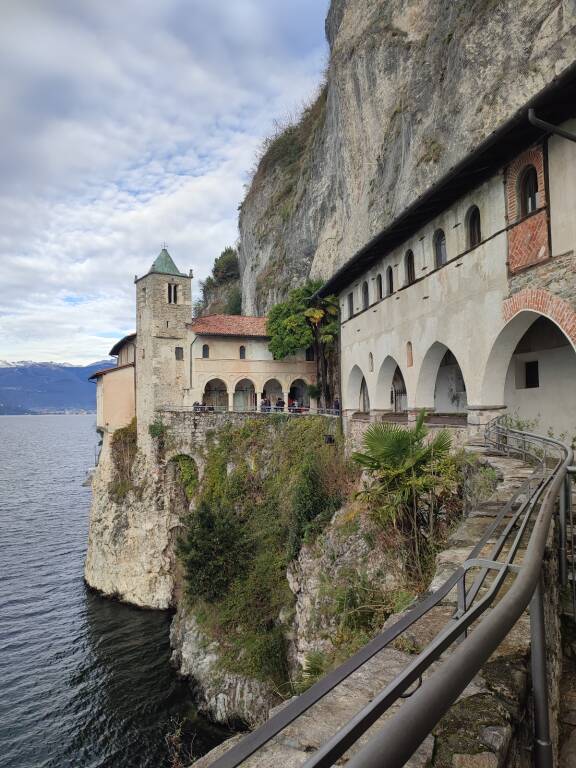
{"x": 268, "y": 486}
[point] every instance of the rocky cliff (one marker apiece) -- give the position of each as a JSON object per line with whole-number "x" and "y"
{"x": 412, "y": 86}
{"x": 133, "y": 531}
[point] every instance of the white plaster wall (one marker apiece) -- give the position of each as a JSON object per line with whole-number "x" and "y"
{"x": 449, "y": 396}
{"x": 553, "y": 404}
{"x": 562, "y": 191}
{"x": 459, "y": 305}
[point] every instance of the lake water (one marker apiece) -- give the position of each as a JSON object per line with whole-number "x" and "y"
{"x": 84, "y": 681}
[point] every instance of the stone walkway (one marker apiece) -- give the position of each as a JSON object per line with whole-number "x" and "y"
{"x": 481, "y": 730}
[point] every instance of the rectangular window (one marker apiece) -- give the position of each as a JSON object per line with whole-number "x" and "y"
{"x": 179, "y": 353}
{"x": 350, "y": 304}
{"x": 532, "y": 377}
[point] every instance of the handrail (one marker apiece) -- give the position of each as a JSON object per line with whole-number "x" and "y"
{"x": 248, "y": 409}
{"x": 402, "y": 734}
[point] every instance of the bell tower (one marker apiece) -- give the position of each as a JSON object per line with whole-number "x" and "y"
{"x": 163, "y": 308}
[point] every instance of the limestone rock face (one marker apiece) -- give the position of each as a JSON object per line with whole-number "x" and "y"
{"x": 225, "y": 697}
{"x": 412, "y": 87}
{"x": 337, "y": 554}
{"x": 131, "y": 543}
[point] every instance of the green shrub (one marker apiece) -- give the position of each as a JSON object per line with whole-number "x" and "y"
{"x": 265, "y": 483}
{"x": 158, "y": 429}
{"x": 234, "y": 301}
{"x": 214, "y": 551}
{"x": 123, "y": 450}
{"x": 188, "y": 472}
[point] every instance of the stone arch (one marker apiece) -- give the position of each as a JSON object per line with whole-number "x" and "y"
{"x": 444, "y": 391}
{"x": 215, "y": 394}
{"x": 298, "y": 393}
{"x": 356, "y": 384}
{"x": 244, "y": 397}
{"x": 391, "y": 393}
{"x": 272, "y": 389}
{"x": 530, "y": 371}
{"x": 520, "y": 312}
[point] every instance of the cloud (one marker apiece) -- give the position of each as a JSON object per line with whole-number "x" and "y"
{"x": 125, "y": 124}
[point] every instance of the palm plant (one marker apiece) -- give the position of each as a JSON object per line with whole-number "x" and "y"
{"x": 409, "y": 478}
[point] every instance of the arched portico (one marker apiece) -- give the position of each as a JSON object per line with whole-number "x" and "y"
{"x": 244, "y": 395}
{"x": 390, "y": 395}
{"x": 298, "y": 394}
{"x": 357, "y": 392}
{"x": 530, "y": 372}
{"x": 215, "y": 394}
{"x": 272, "y": 390}
{"x": 441, "y": 386}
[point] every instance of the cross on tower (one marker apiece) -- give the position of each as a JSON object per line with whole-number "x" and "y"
{"x": 164, "y": 245}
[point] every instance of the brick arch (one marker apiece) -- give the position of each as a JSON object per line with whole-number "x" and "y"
{"x": 545, "y": 303}
{"x": 533, "y": 156}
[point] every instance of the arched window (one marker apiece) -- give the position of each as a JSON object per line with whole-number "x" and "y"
{"x": 528, "y": 191}
{"x": 473, "y": 227}
{"x": 205, "y": 351}
{"x": 370, "y": 362}
{"x": 365, "y": 296}
{"x": 409, "y": 268}
{"x": 409, "y": 357}
{"x": 179, "y": 353}
{"x": 380, "y": 287}
{"x": 389, "y": 282}
{"x": 440, "y": 255}
{"x": 172, "y": 294}
{"x": 350, "y": 305}
{"x": 242, "y": 353}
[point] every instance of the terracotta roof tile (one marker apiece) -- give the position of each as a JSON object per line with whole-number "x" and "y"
{"x": 230, "y": 325}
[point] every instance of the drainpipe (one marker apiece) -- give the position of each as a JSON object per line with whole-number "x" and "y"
{"x": 548, "y": 127}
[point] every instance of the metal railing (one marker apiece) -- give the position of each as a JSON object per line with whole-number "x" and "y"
{"x": 288, "y": 410}
{"x": 523, "y": 521}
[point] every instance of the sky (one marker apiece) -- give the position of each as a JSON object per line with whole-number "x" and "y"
{"x": 125, "y": 125}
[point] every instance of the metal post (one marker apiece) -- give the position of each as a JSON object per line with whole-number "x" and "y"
{"x": 543, "y": 755}
{"x": 570, "y": 512}
{"x": 562, "y": 515}
{"x": 462, "y": 603}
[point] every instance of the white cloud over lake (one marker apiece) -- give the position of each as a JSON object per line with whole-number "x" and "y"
{"x": 125, "y": 124}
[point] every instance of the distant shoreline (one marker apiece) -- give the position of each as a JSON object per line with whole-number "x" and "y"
{"x": 49, "y": 413}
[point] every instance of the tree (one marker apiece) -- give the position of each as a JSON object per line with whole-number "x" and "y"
{"x": 304, "y": 321}
{"x": 214, "y": 551}
{"x": 410, "y": 480}
{"x": 226, "y": 266}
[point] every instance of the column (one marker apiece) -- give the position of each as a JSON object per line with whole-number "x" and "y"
{"x": 285, "y": 398}
{"x": 230, "y": 400}
{"x": 258, "y": 401}
{"x": 480, "y": 415}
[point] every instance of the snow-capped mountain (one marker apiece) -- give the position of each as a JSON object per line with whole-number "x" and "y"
{"x": 32, "y": 387}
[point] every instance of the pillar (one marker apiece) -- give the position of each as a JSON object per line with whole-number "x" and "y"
{"x": 480, "y": 415}
{"x": 285, "y": 398}
{"x": 258, "y": 400}
{"x": 230, "y": 400}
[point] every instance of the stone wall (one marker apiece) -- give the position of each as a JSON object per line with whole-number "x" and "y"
{"x": 556, "y": 276}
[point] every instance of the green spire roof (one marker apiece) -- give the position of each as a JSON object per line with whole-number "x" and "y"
{"x": 164, "y": 265}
